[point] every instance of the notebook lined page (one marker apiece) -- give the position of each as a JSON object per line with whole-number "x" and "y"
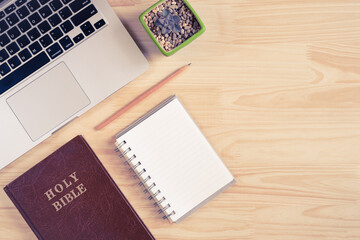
{"x": 178, "y": 158}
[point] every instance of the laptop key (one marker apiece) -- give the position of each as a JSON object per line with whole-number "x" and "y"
{"x": 24, "y": 55}
{"x": 23, "y": 41}
{"x": 13, "y": 33}
{"x": 4, "y": 69}
{"x": 54, "y": 20}
{"x": 12, "y": 48}
{"x": 3, "y": 26}
{"x": 56, "y": 33}
{"x": 66, "y": 42}
{"x": 43, "y": 2}
{"x": 66, "y": 26}
{"x": 12, "y": 19}
{"x": 35, "y": 48}
{"x": 23, "y": 71}
{"x": 20, "y": 2}
{"x": 55, "y": 5}
{"x": 84, "y": 15}
{"x": 45, "y": 11}
{"x": 54, "y": 50}
{"x": 78, "y": 4}
{"x": 99, "y": 24}
{"x": 46, "y": 40}
{"x": 78, "y": 38}
{"x": 35, "y": 19}
{"x": 44, "y": 27}
{"x": 10, "y": 8}
{"x": 87, "y": 28}
{"x": 3, "y": 55}
{"x": 4, "y": 40}
{"x": 33, "y": 5}
{"x": 14, "y": 62}
{"x": 65, "y": 13}
{"x": 66, "y": 1}
{"x": 22, "y": 12}
{"x": 24, "y": 25}
{"x": 33, "y": 34}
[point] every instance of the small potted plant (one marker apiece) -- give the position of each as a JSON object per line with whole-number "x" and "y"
{"x": 172, "y": 24}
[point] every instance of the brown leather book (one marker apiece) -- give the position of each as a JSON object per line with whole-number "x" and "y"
{"x": 70, "y": 195}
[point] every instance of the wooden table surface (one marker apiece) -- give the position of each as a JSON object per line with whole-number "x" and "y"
{"x": 275, "y": 87}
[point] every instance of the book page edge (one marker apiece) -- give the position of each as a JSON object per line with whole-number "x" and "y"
{"x": 146, "y": 115}
{"x": 205, "y": 201}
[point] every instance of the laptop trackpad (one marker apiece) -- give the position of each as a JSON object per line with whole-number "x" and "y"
{"x": 48, "y": 101}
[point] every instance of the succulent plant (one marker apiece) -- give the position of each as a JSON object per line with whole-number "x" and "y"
{"x": 168, "y": 22}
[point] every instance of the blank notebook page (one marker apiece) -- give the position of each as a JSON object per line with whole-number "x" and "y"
{"x": 177, "y": 157}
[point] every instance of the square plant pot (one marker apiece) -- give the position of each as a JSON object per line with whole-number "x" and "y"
{"x": 173, "y": 38}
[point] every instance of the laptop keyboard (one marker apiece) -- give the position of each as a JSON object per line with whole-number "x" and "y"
{"x": 35, "y": 32}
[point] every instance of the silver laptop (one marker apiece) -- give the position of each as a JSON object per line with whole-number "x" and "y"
{"x": 58, "y": 58}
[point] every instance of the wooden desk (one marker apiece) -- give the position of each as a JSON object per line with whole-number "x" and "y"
{"x": 275, "y": 87}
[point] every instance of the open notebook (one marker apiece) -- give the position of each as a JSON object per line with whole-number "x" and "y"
{"x": 174, "y": 161}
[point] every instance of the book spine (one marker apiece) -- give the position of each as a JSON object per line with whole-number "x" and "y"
{"x": 23, "y": 214}
{"x": 145, "y": 179}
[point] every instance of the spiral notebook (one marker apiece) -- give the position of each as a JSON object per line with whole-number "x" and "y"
{"x": 173, "y": 160}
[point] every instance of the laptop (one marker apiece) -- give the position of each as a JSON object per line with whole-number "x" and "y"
{"x": 58, "y": 58}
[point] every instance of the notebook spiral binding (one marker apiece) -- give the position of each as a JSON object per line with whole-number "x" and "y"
{"x": 125, "y": 152}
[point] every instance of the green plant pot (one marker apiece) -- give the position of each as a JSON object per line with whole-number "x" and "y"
{"x": 186, "y": 42}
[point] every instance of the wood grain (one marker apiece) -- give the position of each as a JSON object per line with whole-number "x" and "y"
{"x": 275, "y": 87}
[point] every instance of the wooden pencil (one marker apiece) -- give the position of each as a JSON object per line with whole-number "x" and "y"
{"x": 141, "y": 97}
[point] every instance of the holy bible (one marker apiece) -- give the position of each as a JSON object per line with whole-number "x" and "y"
{"x": 70, "y": 195}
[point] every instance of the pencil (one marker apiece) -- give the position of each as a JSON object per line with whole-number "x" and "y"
{"x": 141, "y": 97}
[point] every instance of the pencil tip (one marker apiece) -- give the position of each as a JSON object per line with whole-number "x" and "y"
{"x": 189, "y": 64}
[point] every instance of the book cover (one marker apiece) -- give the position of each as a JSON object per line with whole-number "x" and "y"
{"x": 70, "y": 195}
